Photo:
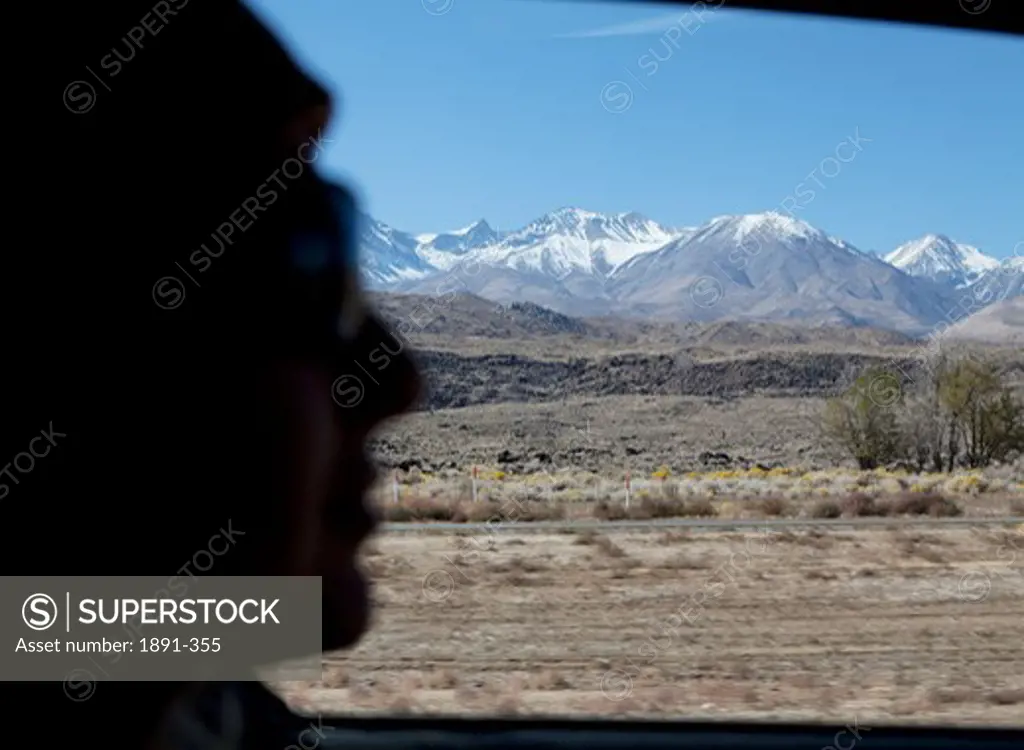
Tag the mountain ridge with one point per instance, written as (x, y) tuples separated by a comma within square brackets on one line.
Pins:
[(766, 266)]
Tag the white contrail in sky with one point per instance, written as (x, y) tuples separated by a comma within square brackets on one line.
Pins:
[(636, 28)]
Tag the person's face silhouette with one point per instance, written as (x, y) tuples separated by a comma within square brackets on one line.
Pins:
[(326, 408), (329, 474)]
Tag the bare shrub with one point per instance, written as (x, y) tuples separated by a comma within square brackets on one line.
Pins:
[(861, 505), (482, 512), (662, 508), (826, 508), (773, 506), (925, 504), (884, 507), (700, 507), (423, 509), (540, 511), (607, 511)]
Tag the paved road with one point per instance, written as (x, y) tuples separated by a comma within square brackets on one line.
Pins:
[(701, 524)]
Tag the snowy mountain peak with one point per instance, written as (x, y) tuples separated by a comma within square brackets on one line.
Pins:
[(480, 226), (758, 266), (768, 225), (563, 242), (585, 226), (444, 249), (574, 211), (574, 239), (937, 257), (567, 220), (387, 255), (776, 224)]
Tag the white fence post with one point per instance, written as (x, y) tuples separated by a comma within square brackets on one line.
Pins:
[(394, 486)]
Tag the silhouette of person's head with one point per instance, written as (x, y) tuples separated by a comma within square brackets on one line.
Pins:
[(201, 357)]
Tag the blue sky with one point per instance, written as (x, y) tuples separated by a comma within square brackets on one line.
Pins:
[(453, 110)]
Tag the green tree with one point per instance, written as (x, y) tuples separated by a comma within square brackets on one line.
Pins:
[(863, 420), (989, 420)]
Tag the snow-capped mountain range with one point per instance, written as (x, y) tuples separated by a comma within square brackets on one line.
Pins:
[(939, 258), (766, 266), (559, 243)]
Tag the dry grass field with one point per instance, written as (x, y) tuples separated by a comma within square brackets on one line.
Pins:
[(755, 493), (866, 626), (857, 626)]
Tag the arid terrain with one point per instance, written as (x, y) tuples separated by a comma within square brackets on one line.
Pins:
[(524, 384), (718, 420), (869, 626)]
